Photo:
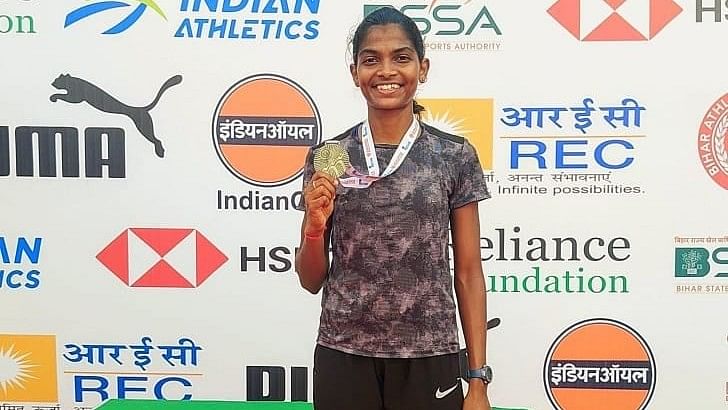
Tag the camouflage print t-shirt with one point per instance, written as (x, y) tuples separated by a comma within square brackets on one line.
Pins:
[(388, 292)]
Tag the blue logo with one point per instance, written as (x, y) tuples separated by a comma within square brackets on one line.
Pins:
[(19, 258), (101, 6)]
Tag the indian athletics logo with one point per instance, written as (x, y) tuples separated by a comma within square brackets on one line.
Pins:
[(28, 369), (98, 7)]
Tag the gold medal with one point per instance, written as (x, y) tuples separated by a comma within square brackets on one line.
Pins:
[(332, 159)]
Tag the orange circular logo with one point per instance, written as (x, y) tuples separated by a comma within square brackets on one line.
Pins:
[(599, 364), (263, 128), (713, 141)]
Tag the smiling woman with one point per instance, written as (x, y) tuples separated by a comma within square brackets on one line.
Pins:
[(388, 335)]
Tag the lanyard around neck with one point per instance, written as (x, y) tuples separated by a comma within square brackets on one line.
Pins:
[(370, 154)]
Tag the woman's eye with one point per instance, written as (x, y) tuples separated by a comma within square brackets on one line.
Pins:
[(403, 58), (369, 60)]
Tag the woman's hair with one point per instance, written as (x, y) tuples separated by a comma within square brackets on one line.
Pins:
[(389, 15)]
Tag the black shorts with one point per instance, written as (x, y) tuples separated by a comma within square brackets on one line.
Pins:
[(343, 381)]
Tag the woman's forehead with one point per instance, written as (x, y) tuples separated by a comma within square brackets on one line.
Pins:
[(387, 36)]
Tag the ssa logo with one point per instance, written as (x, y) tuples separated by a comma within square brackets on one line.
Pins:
[(28, 369), (162, 257), (614, 20), (712, 142), (450, 26), (126, 22), (600, 361), (263, 128), (468, 118)]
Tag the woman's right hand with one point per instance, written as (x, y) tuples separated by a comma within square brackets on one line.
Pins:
[(319, 198)]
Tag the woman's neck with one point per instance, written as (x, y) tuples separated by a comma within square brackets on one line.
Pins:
[(389, 126)]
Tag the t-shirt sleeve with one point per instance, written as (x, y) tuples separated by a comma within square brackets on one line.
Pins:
[(470, 185), (308, 172)]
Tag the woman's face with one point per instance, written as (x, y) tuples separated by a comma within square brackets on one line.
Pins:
[(387, 68)]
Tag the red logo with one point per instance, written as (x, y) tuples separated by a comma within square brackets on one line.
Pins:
[(162, 257), (712, 141), (614, 20)]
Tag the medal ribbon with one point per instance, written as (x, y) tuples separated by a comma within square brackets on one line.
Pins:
[(359, 180)]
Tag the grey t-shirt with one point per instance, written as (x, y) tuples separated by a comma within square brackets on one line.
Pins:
[(388, 292)]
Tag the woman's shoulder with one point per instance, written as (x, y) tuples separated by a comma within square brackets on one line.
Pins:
[(442, 135)]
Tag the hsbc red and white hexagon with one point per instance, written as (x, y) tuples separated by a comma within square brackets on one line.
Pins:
[(162, 257)]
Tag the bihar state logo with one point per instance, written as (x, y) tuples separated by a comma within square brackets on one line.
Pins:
[(263, 129), (614, 20), (28, 369), (712, 142), (162, 257), (600, 361), (468, 118)]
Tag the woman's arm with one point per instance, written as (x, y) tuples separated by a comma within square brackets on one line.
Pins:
[(470, 291), (312, 262)]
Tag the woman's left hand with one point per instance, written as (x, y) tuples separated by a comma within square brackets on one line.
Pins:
[(477, 397)]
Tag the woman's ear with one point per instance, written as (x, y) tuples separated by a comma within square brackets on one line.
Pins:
[(354, 75)]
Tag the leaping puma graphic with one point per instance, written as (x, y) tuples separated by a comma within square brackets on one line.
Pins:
[(79, 90)]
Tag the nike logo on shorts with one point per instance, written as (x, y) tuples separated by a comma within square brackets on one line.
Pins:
[(441, 394)]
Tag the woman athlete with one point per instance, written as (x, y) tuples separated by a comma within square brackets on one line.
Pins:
[(388, 334)]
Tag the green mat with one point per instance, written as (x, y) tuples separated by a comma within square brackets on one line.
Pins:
[(204, 405)]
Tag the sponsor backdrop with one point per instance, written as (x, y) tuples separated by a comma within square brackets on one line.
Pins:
[(150, 162)]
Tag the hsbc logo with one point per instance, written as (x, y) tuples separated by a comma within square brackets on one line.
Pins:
[(162, 257), (614, 20)]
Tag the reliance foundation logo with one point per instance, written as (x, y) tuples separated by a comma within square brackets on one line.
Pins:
[(614, 20), (162, 257), (600, 361), (124, 24), (28, 369)]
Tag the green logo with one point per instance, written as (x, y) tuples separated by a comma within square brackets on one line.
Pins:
[(444, 19), (691, 262)]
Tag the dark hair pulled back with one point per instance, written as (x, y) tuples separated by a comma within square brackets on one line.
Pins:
[(389, 15)]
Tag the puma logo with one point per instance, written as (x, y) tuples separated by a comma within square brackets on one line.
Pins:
[(79, 90)]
